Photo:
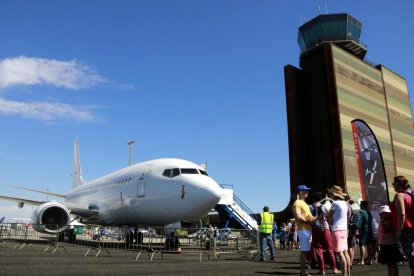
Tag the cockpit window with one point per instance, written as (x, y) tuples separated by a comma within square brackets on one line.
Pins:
[(189, 171), (175, 172), (167, 173), (171, 172), (203, 172)]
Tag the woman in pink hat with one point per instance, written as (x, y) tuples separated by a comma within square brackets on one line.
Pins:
[(389, 253)]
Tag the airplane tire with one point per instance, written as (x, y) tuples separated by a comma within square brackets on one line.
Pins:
[(129, 239), (61, 236), (139, 238), (71, 235)]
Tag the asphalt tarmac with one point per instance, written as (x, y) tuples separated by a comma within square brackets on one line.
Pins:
[(31, 261)]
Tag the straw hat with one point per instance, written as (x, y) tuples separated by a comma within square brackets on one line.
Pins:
[(336, 191)]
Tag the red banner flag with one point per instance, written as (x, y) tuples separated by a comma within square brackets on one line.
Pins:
[(370, 164)]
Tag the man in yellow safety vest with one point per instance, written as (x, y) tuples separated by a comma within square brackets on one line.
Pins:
[(265, 229)]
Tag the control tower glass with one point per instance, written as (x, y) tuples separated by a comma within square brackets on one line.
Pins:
[(329, 27)]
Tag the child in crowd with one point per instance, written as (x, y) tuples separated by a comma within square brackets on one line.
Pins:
[(389, 253), (282, 236)]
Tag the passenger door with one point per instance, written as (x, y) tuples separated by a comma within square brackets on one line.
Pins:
[(142, 183)]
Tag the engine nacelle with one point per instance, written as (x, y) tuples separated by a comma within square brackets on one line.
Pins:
[(51, 217), (192, 225)]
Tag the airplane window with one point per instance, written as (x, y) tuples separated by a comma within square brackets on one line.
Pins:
[(167, 173), (203, 172), (175, 172), (189, 171)]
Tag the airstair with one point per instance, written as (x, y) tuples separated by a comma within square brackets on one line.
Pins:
[(231, 207)]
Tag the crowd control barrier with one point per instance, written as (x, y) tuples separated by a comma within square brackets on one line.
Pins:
[(143, 242)]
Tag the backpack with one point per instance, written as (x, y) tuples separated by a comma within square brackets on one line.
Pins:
[(320, 212), (355, 222)]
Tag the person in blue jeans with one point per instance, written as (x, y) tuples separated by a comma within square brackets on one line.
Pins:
[(265, 234), (274, 234)]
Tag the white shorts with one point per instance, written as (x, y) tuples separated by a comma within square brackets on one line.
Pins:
[(305, 239)]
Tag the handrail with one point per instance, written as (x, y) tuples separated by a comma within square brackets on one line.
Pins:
[(240, 218), (243, 206), (238, 200), (231, 212), (224, 186)]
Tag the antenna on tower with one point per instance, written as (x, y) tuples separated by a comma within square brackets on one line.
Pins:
[(326, 7), (302, 20)]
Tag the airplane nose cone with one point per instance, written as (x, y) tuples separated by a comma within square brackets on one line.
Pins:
[(203, 196), (216, 191), (213, 191)]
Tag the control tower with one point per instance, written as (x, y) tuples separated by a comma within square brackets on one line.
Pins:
[(334, 86), (341, 29)]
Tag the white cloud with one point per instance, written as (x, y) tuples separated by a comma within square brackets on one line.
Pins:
[(49, 111), (35, 71)]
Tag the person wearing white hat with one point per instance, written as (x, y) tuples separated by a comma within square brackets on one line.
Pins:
[(389, 252), (338, 215)]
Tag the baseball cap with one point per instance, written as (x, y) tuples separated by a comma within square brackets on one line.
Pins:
[(302, 188)]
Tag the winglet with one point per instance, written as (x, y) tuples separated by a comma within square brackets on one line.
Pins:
[(77, 179)]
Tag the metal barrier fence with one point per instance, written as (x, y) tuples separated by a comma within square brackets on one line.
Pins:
[(22, 236), (149, 241)]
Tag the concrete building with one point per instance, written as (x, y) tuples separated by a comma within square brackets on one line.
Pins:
[(334, 86)]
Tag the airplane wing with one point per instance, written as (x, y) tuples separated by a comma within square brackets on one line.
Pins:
[(39, 191), (73, 209), (22, 200)]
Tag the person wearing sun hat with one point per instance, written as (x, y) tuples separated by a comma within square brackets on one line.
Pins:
[(338, 215), (304, 220), (389, 252)]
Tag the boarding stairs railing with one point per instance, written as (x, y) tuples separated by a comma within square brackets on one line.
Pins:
[(237, 210)]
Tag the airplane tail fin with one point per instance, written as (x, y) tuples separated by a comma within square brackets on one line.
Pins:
[(77, 179)]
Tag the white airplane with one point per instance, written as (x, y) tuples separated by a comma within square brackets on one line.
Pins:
[(157, 192)]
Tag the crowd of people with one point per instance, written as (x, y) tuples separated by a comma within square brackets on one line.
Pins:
[(327, 231)]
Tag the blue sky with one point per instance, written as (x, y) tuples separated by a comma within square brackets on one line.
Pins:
[(197, 80)]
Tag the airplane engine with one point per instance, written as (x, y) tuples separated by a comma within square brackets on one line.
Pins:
[(51, 217), (192, 225)]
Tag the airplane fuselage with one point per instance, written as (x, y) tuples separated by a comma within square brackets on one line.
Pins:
[(157, 192)]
